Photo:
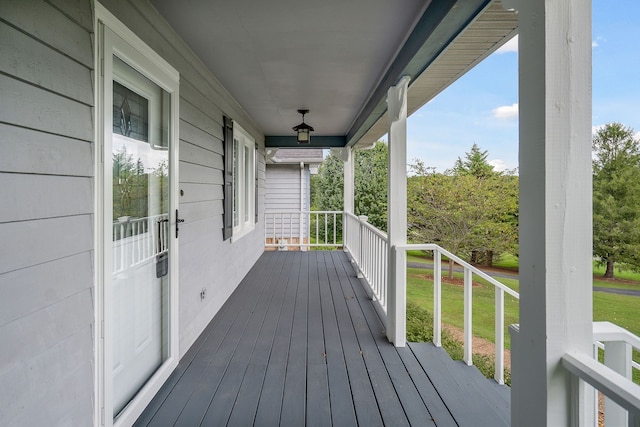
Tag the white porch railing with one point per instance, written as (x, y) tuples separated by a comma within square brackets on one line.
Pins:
[(469, 271), (369, 249), (613, 378), (138, 240), (302, 229)]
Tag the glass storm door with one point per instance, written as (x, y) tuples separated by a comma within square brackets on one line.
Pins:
[(139, 284)]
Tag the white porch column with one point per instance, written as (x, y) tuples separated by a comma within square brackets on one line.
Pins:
[(347, 154), (397, 212), (555, 208), (349, 181)]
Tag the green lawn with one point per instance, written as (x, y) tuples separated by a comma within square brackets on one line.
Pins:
[(619, 309), (420, 292)]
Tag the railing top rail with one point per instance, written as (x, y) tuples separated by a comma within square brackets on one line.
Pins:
[(607, 331), (457, 260), (621, 390), (301, 212), (369, 226), (377, 232)]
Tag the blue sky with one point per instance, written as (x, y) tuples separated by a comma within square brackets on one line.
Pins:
[(481, 107)]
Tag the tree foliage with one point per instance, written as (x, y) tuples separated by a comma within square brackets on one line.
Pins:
[(462, 212), (475, 163), (370, 184), (616, 197), (470, 209)]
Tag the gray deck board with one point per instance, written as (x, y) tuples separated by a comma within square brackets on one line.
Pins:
[(300, 343), (363, 396), (459, 387)]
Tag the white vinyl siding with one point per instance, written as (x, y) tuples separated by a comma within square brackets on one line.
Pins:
[(47, 214), (46, 222), (283, 194)]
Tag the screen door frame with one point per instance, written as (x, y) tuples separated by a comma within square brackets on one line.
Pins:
[(114, 38)]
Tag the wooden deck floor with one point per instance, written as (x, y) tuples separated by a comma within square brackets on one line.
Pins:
[(299, 343)]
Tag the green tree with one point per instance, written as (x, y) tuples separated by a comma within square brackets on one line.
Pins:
[(500, 232), (461, 212), (616, 197), (370, 184), (475, 163)]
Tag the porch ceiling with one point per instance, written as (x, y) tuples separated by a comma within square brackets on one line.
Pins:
[(335, 58)]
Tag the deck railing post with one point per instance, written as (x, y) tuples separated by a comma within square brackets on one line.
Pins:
[(396, 298), (617, 356), (361, 258), (437, 298), (301, 231), (468, 333), (499, 336)]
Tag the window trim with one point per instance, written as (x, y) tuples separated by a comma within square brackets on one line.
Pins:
[(245, 181)]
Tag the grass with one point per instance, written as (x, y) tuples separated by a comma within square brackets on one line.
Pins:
[(420, 292), (507, 261), (420, 329), (619, 309)]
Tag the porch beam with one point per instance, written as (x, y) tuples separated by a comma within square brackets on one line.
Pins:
[(320, 141), (440, 23), (397, 212), (555, 209)]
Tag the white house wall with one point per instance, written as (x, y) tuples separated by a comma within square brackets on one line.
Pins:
[(46, 215), (282, 194)]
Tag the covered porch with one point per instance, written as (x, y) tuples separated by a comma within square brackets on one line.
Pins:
[(300, 343)]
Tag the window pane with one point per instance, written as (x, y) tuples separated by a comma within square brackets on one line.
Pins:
[(247, 183), (130, 113), (236, 184)]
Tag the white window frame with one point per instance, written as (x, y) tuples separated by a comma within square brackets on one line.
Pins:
[(243, 183)]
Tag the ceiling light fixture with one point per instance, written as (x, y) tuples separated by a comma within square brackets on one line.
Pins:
[(303, 129)]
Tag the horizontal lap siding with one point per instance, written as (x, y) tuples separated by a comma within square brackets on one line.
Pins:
[(46, 213), (282, 194), (206, 261)]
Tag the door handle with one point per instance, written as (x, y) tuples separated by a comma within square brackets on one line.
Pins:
[(178, 221)]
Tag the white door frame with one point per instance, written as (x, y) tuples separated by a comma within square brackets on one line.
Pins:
[(132, 50)]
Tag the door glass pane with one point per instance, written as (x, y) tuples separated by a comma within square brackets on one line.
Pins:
[(247, 183), (140, 281)]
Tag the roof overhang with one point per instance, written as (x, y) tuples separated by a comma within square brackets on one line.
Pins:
[(338, 59)]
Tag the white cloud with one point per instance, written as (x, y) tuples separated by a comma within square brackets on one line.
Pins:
[(506, 111), (595, 129), (510, 46), (636, 136), (498, 165), (596, 42)]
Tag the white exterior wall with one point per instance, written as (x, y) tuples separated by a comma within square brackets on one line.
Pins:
[(282, 193), (46, 215), (46, 221)]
